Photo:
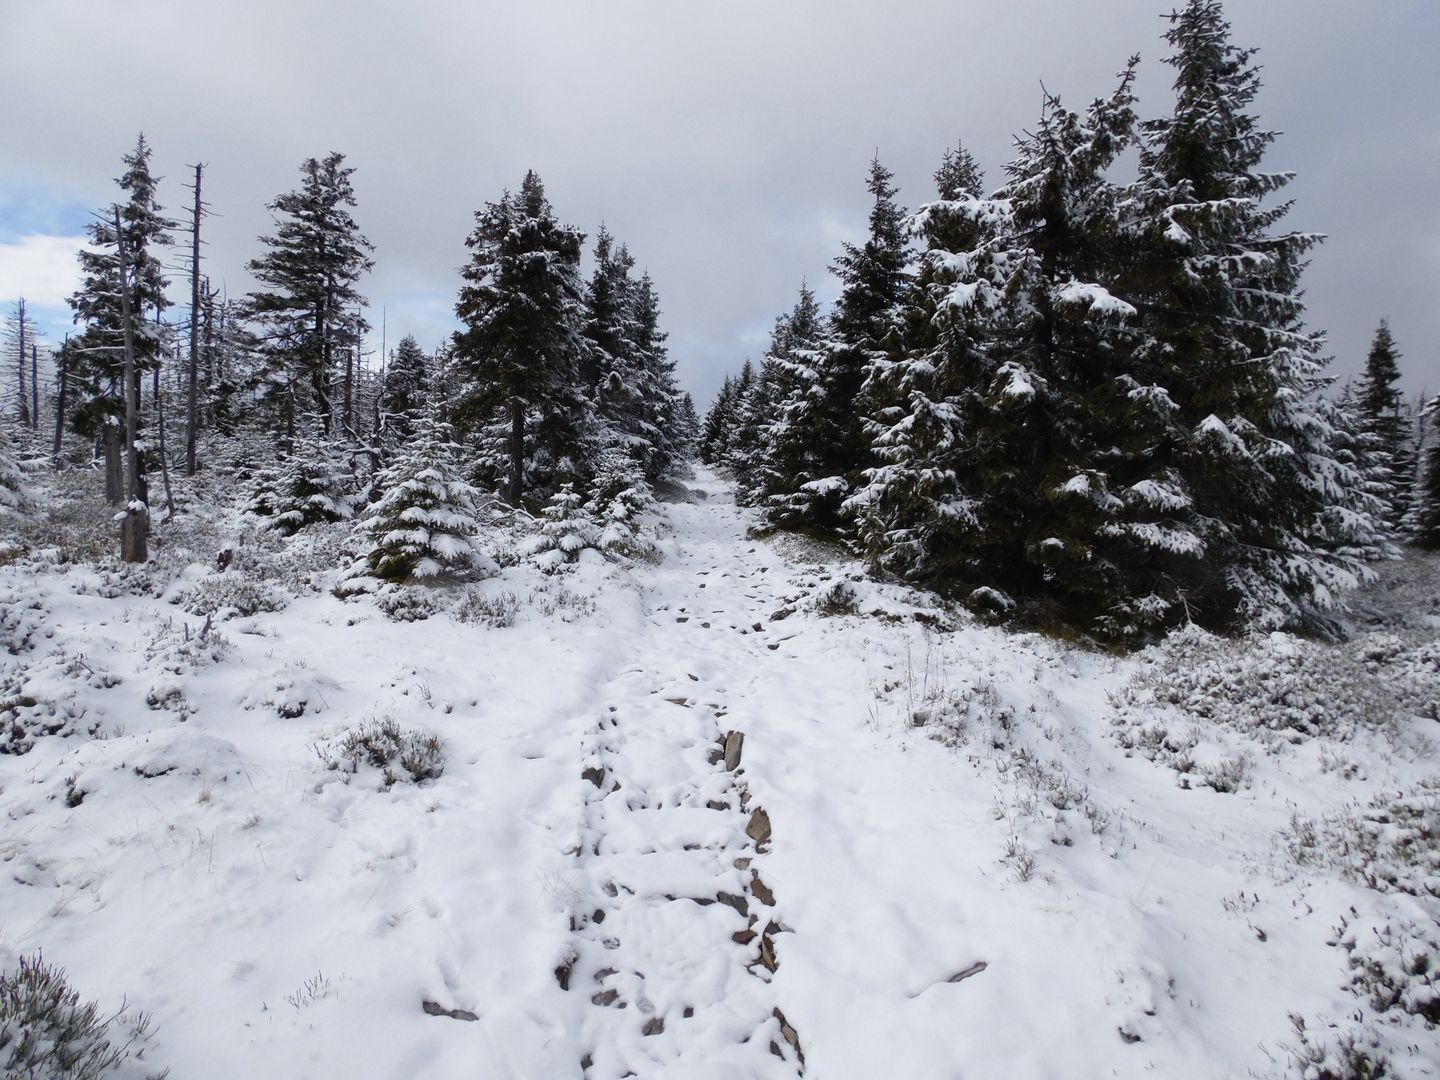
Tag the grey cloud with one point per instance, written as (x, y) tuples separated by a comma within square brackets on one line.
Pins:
[(726, 144)]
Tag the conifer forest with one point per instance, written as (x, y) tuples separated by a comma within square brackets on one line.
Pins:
[(1019, 658)]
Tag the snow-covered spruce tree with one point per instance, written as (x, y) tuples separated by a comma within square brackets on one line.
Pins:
[(16, 499), (910, 509), (822, 426), (404, 394), (1224, 354), (314, 485), (750, 456), (737, 440), (777, 426), (309, 308), (715, 437), (1043, 425), (1423, 522), (519, 353), (659, 394), (96, 359), (685, 432), (619, 500), (566, 531), (1382, 417), (610, 367), (424, 526)]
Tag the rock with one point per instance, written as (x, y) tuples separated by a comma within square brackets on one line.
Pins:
[(743, 937), (767, 954), (973, 969), (759, 827), (716, 804), (595, 775), (654, 1026), (760, 890), (739, 903), (434, 1008), (791, 1036), (734, 742), (605, 997)]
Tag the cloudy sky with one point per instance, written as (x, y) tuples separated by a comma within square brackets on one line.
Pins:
[(725, 143)]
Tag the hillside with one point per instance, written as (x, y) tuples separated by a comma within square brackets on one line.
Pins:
[(940, 849)]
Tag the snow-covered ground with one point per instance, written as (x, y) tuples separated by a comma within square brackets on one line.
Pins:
[(945, 850)]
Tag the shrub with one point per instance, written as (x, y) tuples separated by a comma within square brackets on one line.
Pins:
[(382, 744), (230, 594), (405, 603), (47, 1033), (566, 531), (496, 611), (1354, 1056)]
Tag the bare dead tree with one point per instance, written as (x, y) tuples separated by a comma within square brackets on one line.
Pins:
[(62, 380), (21, 326), (192, 398), (135, 526), (34, 387)]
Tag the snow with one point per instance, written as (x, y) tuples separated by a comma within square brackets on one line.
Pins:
[(966, 873), (1096, 298)]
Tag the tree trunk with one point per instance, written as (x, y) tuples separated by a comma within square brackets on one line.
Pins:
[(112, 439), (517, 450), (350, 365), (164, 461), (24, 402), (135, 527), (192, 399), (34, 388), (60, 404)]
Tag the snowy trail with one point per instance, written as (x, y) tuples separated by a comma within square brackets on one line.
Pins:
[(674, 944)]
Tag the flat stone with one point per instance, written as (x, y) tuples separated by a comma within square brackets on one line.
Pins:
[(605, 997), (973, 969), (739, 903), (758, 828), (734, 743), (434, 1008), (760, 890), (743, 937)]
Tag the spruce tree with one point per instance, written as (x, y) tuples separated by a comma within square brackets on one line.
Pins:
[(520, 350), (425, 524), (1423, 521), (1225, 358), (568, 529), (96, 358), (822, 427), (16, 499), (405, 393), (311, 486), (659, 395), (911, 510), (776, 453), (310, 314), (715, 438), (1382, 418)]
